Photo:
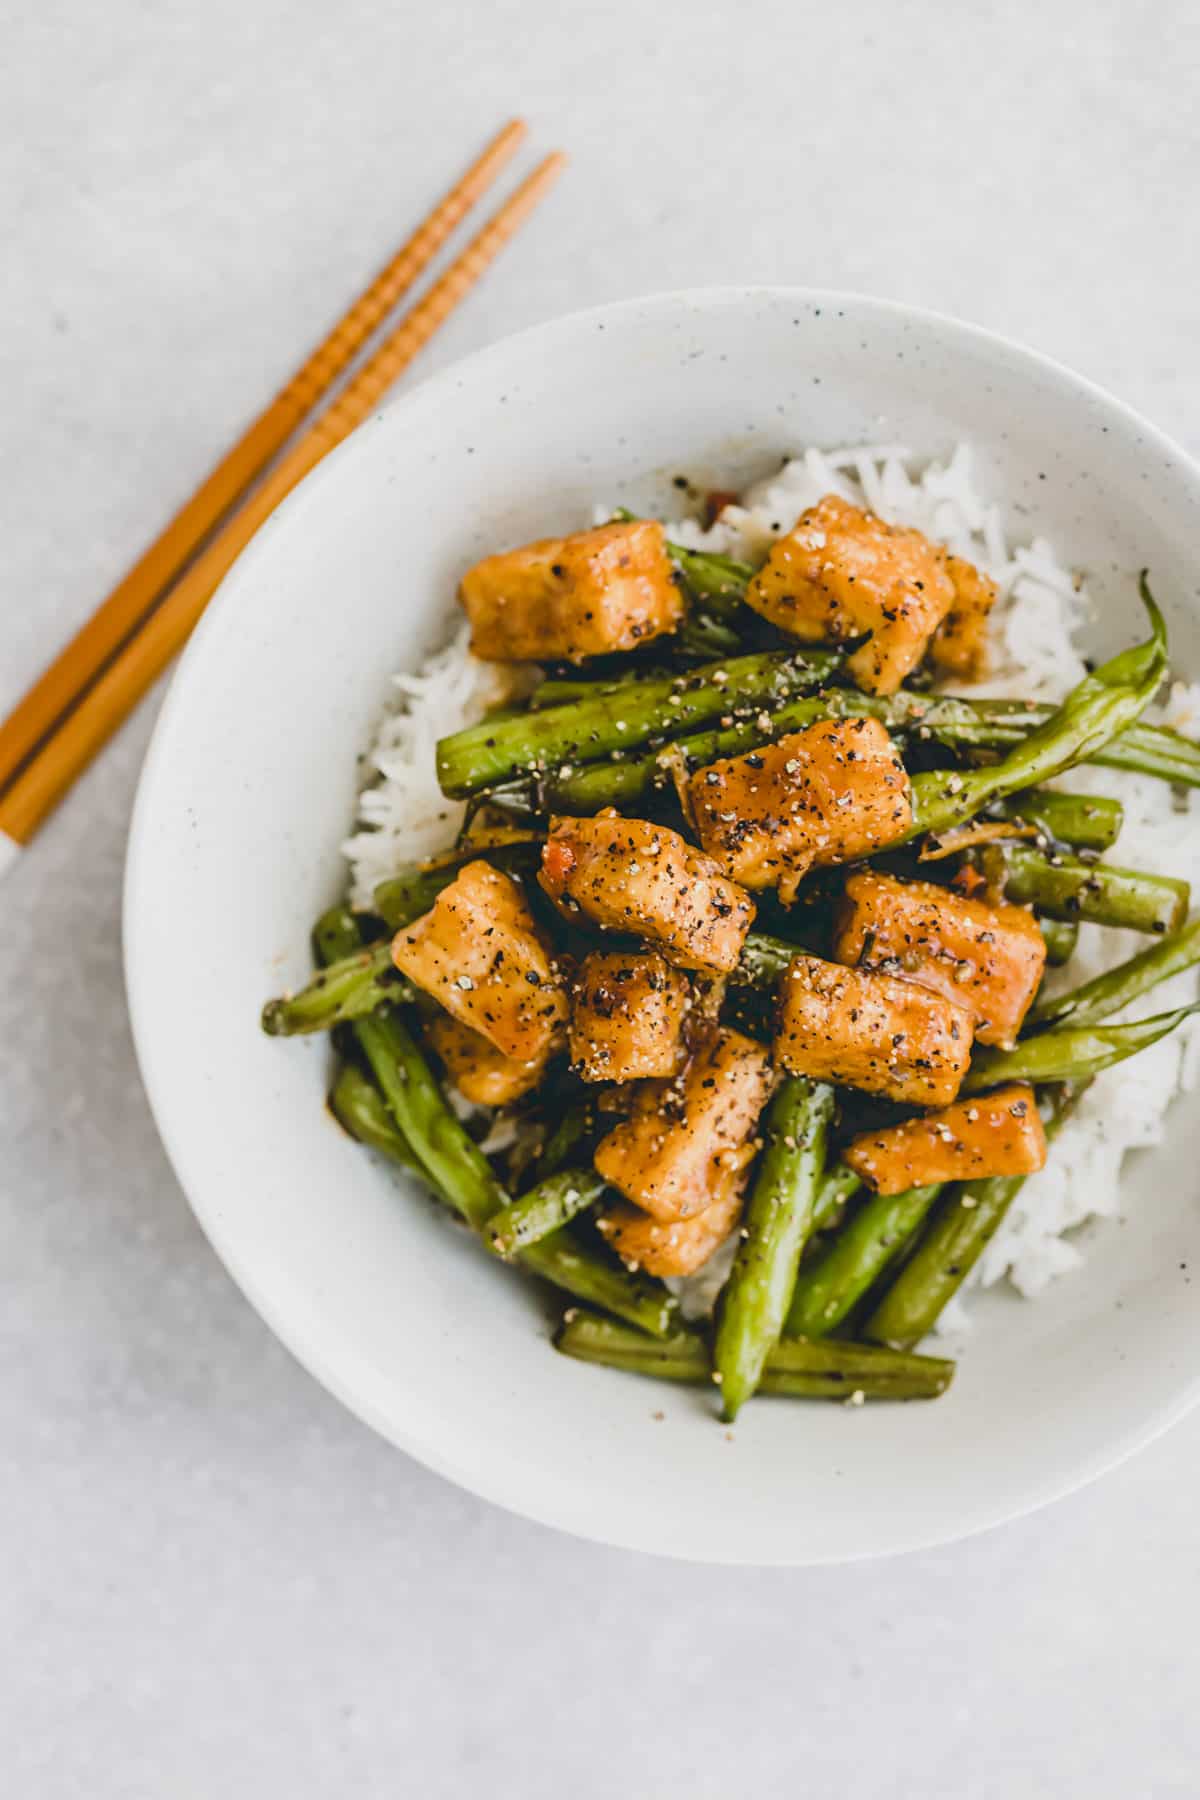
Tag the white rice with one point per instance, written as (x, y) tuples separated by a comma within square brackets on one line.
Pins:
[(403, 815)]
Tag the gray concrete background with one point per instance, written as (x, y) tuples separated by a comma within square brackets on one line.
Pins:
[(214, 1580)]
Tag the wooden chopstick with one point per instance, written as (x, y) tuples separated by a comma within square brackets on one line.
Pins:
[(120, 614), (51, 772)]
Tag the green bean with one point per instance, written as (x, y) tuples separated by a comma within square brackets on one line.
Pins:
[(958, 1231), (406, 896), (794, 1367), (573, 1126), (598, 1280), (720, 581), (776, 1225), (842, 1270), (589, 789), (458, 1167), (840, 1184), (1063, 887), (558, 1258), (484, 756), (542, 1210), (763, 960), (1086, 821), (1116, 988), (455, 1164), (960, 724), (1092, 714), (358, 1106), (1061, 936), (351, 988), (560, 690), (462, 1176), (701, 638), (1142, 749), (1070, 1053)]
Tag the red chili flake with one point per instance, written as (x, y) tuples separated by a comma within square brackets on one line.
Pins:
[(715, 502)]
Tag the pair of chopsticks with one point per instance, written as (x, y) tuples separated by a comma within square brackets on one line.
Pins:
[(98, 679)]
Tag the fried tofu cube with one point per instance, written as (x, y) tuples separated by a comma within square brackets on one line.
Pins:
[(989, 1134), (678, 1246), (479, 952), (841, 572), (871, 1031), (564, 599), (674, 1156), (824, 795), (627, 1016), (481, 1073), (960, 644), (630, 876), (988, 957)]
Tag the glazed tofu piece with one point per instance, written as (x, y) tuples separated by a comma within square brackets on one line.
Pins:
[(989, 1134), (627, 875), (481, 1073), (627, 1016), (563, 599), (871, 1031), (686, 1138), (841, 572), (960, 643), (987, 957), (479, 952), (677, 1247), (824, 795)]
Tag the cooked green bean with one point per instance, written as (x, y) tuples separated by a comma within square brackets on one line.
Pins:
[(460, 1173), (870, 1238), (960, 724), (358, 1106), (572, 1127), (456, 1164), (1071, 1053), (1061, 937), (720, 581), (1093, 713), (1142, 749), (558, 690), (486, 755), (598, 1280), (543, 1209), (406, 896), (763, 960), (1063, 887), (351, 988), (1116, 988), (840, 1184), (1085, 821), (794, 1367), (775, 1227)]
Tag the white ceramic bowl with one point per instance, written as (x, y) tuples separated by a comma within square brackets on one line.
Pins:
[(248, 789)]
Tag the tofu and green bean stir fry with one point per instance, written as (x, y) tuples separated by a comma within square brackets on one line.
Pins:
[(744, 941)]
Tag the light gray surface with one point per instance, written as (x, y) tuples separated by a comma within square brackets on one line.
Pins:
[(215, 1581)]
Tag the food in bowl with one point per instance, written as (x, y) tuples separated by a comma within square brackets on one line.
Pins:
[(761, 963)]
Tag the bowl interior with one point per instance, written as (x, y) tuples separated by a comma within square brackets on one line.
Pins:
[(248, 791)]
